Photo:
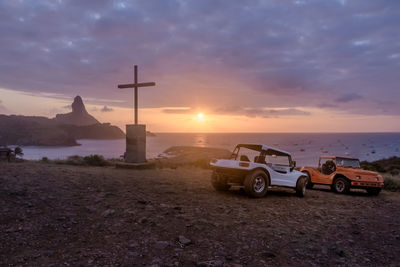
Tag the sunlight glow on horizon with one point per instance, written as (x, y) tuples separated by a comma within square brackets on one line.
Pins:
[(157, 120)]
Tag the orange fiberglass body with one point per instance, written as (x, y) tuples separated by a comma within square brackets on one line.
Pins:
[(342, 174)]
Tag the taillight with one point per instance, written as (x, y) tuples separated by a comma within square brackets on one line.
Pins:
[(244, 164)]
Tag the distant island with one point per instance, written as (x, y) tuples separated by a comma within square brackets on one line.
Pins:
[(63, 130)]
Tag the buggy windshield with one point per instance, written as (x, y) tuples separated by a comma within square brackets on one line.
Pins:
[(255, 153), (351, 163)]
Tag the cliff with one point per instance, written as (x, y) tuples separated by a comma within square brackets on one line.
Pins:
[(63, 130)]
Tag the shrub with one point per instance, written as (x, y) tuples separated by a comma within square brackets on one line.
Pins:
[(18, 151), (95, 160), (372, 166), (392, 183)]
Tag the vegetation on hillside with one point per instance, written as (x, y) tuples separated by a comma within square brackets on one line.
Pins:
[(390, 170)]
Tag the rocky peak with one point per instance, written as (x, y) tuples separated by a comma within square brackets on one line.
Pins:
[(78, 106), (78, 116)]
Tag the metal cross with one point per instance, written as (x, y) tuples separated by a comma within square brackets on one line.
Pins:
[(136, 85)]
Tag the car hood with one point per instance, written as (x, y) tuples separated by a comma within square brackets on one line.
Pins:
[(358, 172)]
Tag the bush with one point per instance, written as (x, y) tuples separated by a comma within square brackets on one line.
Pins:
[(95, 160), (392, 183), (45, 159), (372, 166)]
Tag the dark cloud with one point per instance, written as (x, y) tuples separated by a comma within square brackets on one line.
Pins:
[(106, 109), (289, 53), (348, 97)]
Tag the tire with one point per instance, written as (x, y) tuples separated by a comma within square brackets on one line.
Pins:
[(341, 185), (373, 191), (301, 186), (309, 183), (218, 183), (256, 183)]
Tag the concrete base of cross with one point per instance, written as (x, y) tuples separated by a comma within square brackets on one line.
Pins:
[(135, 143)]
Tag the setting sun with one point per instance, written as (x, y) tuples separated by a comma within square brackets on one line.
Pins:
[(200, 115)]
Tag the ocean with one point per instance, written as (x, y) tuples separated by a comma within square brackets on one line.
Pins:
[(305, 147)]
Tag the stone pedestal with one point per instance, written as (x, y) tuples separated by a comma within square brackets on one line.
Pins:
[(135, 143)]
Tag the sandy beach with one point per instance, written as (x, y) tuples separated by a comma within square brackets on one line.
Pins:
[(73, 216)]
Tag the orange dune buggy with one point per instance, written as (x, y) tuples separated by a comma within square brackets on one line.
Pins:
[(342, 174)]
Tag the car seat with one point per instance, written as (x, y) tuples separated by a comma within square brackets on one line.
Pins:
[(244, 158), (259, 159), (328, 167)]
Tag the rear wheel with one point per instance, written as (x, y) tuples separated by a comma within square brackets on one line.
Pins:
[(301, 186), (341, 185), (256, 183), (373, 191), (218, 183)]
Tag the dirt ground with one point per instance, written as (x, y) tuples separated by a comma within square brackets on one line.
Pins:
[(74, 216)]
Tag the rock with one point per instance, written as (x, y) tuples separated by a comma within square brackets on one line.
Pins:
[(161, 244), (143, 220), (108, 212), (205, 263), (79, 116), (269, 254), (184, 241)]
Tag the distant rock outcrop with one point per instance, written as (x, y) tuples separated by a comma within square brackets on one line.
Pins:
[(63, 130), (79, 116)]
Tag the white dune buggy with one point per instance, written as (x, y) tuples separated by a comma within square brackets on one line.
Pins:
[(256, 168)]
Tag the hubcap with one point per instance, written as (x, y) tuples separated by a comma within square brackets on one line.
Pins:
[(340, 186), (259, 184)]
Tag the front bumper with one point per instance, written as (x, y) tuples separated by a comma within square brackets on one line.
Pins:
[(362, 184)]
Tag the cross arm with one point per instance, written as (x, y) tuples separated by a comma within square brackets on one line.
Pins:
[(132, 85)]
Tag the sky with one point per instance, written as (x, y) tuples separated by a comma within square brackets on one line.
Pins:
[(247, 66)]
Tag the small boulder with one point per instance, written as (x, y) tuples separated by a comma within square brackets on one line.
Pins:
[(108, 213), (184, 241)]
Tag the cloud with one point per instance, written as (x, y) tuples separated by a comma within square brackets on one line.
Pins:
[(277, 112), (348, 97), (106, 109), (3, 109), (240, 111), (263, 50)]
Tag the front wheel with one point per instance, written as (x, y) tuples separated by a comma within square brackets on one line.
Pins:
[(218, 183), (373, 191), (301, 186), (256, 183), (341, 185), (309, 183)]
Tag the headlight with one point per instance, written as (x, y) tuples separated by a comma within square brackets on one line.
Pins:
[(358, 177), (377, 179)]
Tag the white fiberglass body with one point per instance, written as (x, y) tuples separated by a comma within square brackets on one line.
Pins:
[(255, 168)]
